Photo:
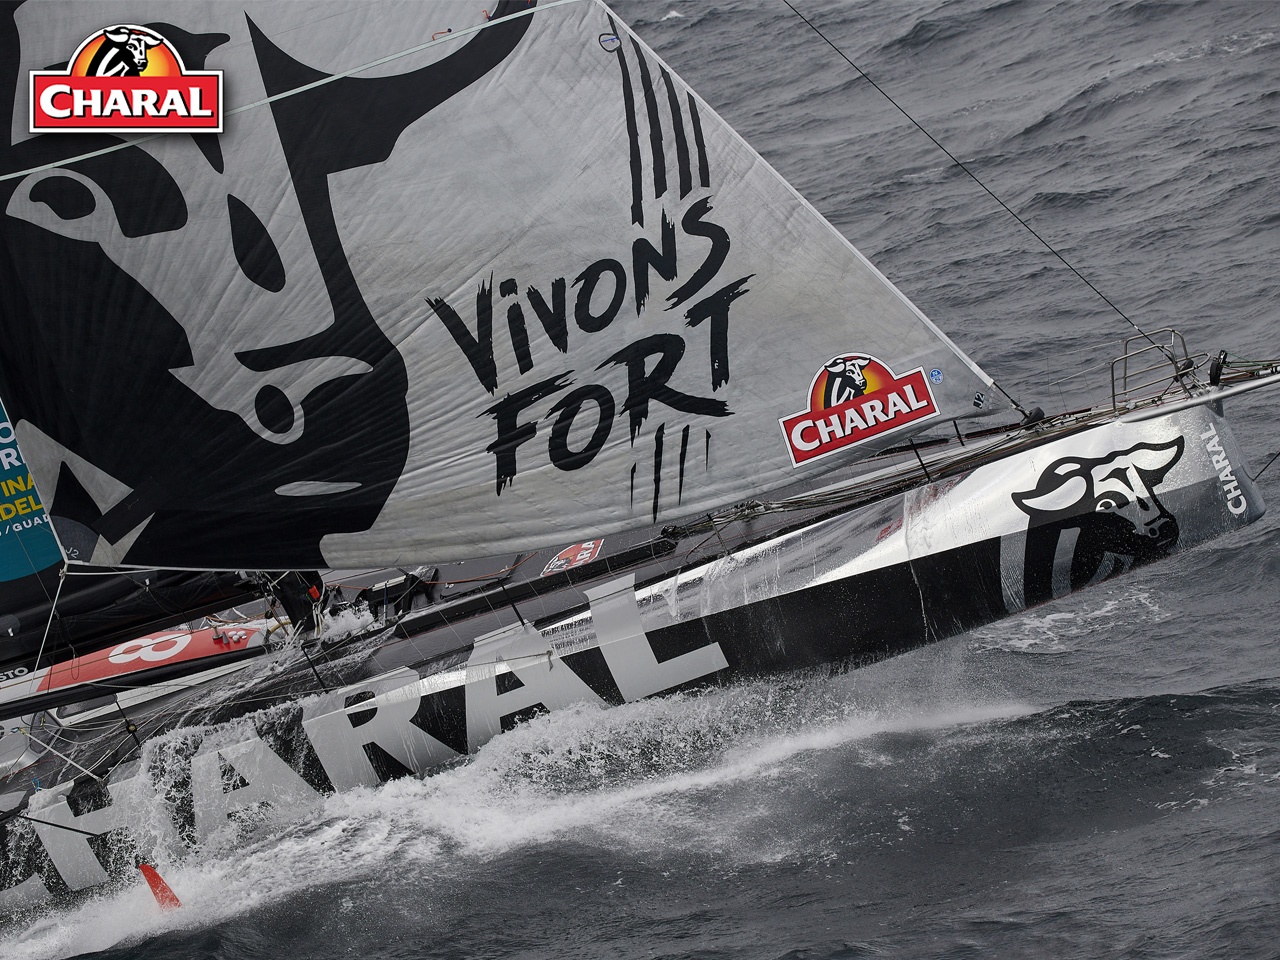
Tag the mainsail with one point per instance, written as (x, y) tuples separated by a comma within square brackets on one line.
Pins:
[(444, 287)]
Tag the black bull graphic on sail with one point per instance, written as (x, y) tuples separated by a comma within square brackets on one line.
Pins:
[(848, 589), (59, 296)]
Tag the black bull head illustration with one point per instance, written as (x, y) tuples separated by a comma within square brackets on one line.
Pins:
[(1108, 504), (845, 380), (53, 287), (123, 53)]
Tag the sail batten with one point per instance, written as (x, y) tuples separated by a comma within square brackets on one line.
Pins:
[(433, 295)]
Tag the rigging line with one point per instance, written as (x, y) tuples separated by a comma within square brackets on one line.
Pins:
[(53, 611), (26, 731), (26, 553), (1267, 464), (129, 725), (1047, 245), (60, 826)]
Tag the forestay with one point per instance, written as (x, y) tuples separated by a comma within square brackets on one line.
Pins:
[(430, 295)]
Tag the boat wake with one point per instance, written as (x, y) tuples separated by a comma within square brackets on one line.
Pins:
[(1058, 632), (802, 776), (639, 777)]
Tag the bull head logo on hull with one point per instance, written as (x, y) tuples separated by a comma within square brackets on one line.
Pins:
[(1092, 518)]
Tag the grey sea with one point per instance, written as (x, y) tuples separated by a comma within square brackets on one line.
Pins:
[(1097, 778)]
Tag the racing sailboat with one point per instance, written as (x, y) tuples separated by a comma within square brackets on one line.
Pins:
[(501, 302)]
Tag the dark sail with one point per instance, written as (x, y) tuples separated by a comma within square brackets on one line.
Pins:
[(94, 609), (97, 611)]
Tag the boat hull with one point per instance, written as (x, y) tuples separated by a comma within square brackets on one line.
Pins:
[(845, 590)]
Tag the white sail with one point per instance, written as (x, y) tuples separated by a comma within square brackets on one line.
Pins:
[(430, 295)]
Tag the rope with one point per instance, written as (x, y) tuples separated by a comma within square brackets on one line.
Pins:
[(972, 176), (1267, 464), (53, 612), (60, 826), (26, 731)]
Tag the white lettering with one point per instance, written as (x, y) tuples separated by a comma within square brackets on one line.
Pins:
[(797, 436), (340, 733), (1236, 501), (910, 391), (897, 405), (542, 680), (829, 428), (144, 101), (852, 421), (626, 649), (152, 651), (69, 849), (269, 780), (86, 101), (117, 102), (873, 410), (46, 100), (196, 110), (173, 103), (9, 458)]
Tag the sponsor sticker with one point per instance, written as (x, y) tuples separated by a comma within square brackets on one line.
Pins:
[(852, 399), (574, 556), (125, 79), (143, 653)]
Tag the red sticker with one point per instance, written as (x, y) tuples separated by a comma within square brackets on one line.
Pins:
[(852, 399), (125, 79), (574, 556), (143, 653)]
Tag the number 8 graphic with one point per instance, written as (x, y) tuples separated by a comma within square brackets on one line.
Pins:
[(150, 650)]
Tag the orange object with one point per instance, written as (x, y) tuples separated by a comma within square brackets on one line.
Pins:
[(167, 899)]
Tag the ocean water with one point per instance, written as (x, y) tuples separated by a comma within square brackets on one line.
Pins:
[(1097, 778)]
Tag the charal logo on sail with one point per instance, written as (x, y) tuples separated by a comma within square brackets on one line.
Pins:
[(852, 399), (125, 79)]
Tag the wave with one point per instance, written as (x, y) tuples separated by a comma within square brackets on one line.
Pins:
[(760, 774)]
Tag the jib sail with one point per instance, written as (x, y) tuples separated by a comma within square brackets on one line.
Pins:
[(444, 287)]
